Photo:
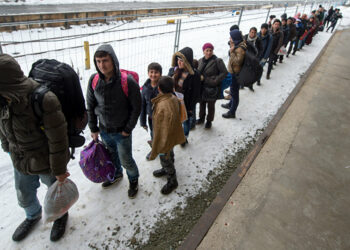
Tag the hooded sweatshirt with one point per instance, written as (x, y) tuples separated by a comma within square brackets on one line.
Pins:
[(35, 148), (109, 109)]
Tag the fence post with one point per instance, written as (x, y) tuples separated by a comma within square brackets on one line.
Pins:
[(87, 55), (177, 35), (304, 8), (296, 11), (0, 49), (267, 16), (312, 5), (285, 7), (240, 16)]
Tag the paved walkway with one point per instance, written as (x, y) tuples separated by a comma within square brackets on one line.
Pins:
[(296, 195)]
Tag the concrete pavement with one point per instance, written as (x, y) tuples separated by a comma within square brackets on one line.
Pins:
[(296, 195)]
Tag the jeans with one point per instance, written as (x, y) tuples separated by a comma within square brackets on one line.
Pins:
[(26, 188), (120, 148), (187, 125), (234, 91)]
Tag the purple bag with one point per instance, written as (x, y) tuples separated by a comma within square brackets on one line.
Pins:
[(96, 163)]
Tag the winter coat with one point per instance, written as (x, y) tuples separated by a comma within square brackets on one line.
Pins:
[(115, 111), (237, 58), (330, 14), (292, 32), (285, 29), (257, 45), (300, 29), (277, 41), (214, 71), (191, 88), (148, 93), (167, 126), (266, 44), (35, 146)]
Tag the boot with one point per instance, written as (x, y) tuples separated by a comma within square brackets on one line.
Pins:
[(225, 106), (208, 125), (251, 88), (133, 189), (200, 121), (116, 179), (58, 228), (268, 76), (258, 82), (170, 185), (229, 115), (148, 156), (184, 144), (24, 229), (159, 172)]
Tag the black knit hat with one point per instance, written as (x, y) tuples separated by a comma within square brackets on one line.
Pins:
[(265, 26)]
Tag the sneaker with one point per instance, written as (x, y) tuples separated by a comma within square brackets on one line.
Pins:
[(208, 125), (227, 91), (116, 179), (150, 143), (169, 186), (228, 115), (184, 144), (228, 97), (24, 229), (287, 55), (58, 228), (159, 172), (133, 189), (225, 106), (200, 121)]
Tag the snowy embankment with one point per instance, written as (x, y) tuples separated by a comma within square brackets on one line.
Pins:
[(108, 217)]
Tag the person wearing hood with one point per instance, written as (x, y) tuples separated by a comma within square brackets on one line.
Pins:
[(213, 71), (237, 53), (277, 42), (113, 114), (266, 40), (187, 82), (37, 152)]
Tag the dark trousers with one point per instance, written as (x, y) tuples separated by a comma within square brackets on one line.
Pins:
[(211, 110), (272, 59), (332, 26), (291, 44), (280, 57), (150, 125), (234, 92), (167, 162)]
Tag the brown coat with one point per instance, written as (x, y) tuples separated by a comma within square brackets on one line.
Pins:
[(33, 149), (167, 127), (236, 58)]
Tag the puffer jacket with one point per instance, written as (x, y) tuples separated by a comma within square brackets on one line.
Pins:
[(213, 71), (36, 146), (237, 58), (108, 104)]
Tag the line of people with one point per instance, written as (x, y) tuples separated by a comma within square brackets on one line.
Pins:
[(166, 106)]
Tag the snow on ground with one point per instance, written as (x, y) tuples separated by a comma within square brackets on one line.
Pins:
[(108, 217)]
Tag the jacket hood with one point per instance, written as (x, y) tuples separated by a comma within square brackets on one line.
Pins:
[(236, 36), (186, 54), (13, 83), (108, 48)]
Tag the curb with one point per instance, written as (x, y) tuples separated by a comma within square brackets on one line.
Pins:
[(199, 231)]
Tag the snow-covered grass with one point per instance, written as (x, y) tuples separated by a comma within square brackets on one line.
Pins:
[(108, 217)]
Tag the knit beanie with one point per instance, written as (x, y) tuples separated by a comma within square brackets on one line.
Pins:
[(207, 46), (265, 26), (236, 36)]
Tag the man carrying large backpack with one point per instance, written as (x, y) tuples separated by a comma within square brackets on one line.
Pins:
[(37, 151), (114, 105)]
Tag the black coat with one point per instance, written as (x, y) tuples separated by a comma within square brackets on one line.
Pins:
[(213, 71), (148, 93), (258, 45), (277, 42), (292, 32), (108, 103)]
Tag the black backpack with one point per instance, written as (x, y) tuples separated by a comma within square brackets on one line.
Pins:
[(251, 70), (64, 82)]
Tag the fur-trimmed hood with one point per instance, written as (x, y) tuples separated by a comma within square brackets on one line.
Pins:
[(186, 54)]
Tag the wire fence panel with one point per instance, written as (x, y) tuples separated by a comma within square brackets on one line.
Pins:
[(137, 40)]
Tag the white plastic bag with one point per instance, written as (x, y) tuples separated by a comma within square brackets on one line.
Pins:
[(59, 198)]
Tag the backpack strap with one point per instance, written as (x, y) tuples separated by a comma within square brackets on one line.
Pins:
[(95, 81), (124, 82), (37, 100)]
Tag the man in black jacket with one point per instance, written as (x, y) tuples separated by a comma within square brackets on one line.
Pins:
[(277, 41), (113, 109)]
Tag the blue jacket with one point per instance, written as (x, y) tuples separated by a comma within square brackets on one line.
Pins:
[(267, 44), (148, 93)]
